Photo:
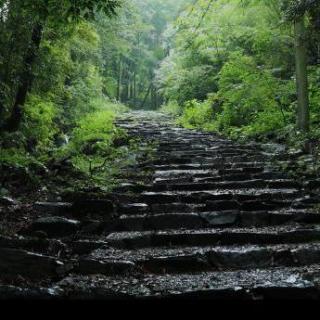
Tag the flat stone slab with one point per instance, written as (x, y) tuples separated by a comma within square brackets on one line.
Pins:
[(281, 283), (195, 259), (7, 201), (14, 262), (204, 237), (82, 247), (101, 206), (200, 197), (54, 208), (17, 293), (33, 244), (161, 222), (55, 226)]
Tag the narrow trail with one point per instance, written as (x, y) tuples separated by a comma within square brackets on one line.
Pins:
[(207, 218)]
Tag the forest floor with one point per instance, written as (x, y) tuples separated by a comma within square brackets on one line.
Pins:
[(205, 217)]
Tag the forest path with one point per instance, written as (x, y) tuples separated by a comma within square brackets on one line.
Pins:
[(206, 218)]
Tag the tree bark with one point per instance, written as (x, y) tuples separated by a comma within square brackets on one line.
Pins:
[(119, 79), (26, 79), (134, 88), (146, 96), (303, 117)]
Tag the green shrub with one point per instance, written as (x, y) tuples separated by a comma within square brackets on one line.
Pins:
[(197, 115), (14, 157), (39, 125), (97, 126), (245, 90), (250, 102), (269, 122), (92, 143), (172, 108), (314, 83)]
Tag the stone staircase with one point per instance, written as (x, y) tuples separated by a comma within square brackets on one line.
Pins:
[(206, 218)]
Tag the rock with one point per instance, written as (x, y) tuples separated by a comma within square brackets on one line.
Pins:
[(7, 201), (27, 264), (38, 244), (134, 208), (312, 184), (111, 267), (221, 219), (55, 226), (93, 227), (274, 147), (41, 235), (82, 247), (13, 293), (54, 208)]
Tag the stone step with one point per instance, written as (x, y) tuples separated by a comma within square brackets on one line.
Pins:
[(223, 158), (15, 263), (219, 147), (53, 208), (159, 208), (53, 227), (221, 166), (201, 197), (13, 293), (109, 267), (200, 186), (218, 219), (207, 237), (50, 247), (161, 222), (85, 246), (250, 205), (201, 153), (196, 259), (200, 173), (214, 178), (277, 283), (133, 208), (184, 173)]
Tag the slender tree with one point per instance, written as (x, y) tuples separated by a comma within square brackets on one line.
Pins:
[(296, 11)]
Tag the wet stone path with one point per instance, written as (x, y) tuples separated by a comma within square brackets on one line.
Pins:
[(205, 218)]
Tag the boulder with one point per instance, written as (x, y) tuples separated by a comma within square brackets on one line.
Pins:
[(55, 226), (221, 219), (13, 293), (106, 267), (7, 201), (15, 263), (55, 208)]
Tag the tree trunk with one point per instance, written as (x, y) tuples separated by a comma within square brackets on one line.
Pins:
[(134, 88), (26, 79), (127, 83), (119, 79), (146, 96), (303, 120)]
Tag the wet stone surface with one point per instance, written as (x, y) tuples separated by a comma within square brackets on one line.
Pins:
[(54, 226), (279, 283), (205, 218)]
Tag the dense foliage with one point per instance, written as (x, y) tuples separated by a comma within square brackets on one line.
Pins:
[(231, 67)]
